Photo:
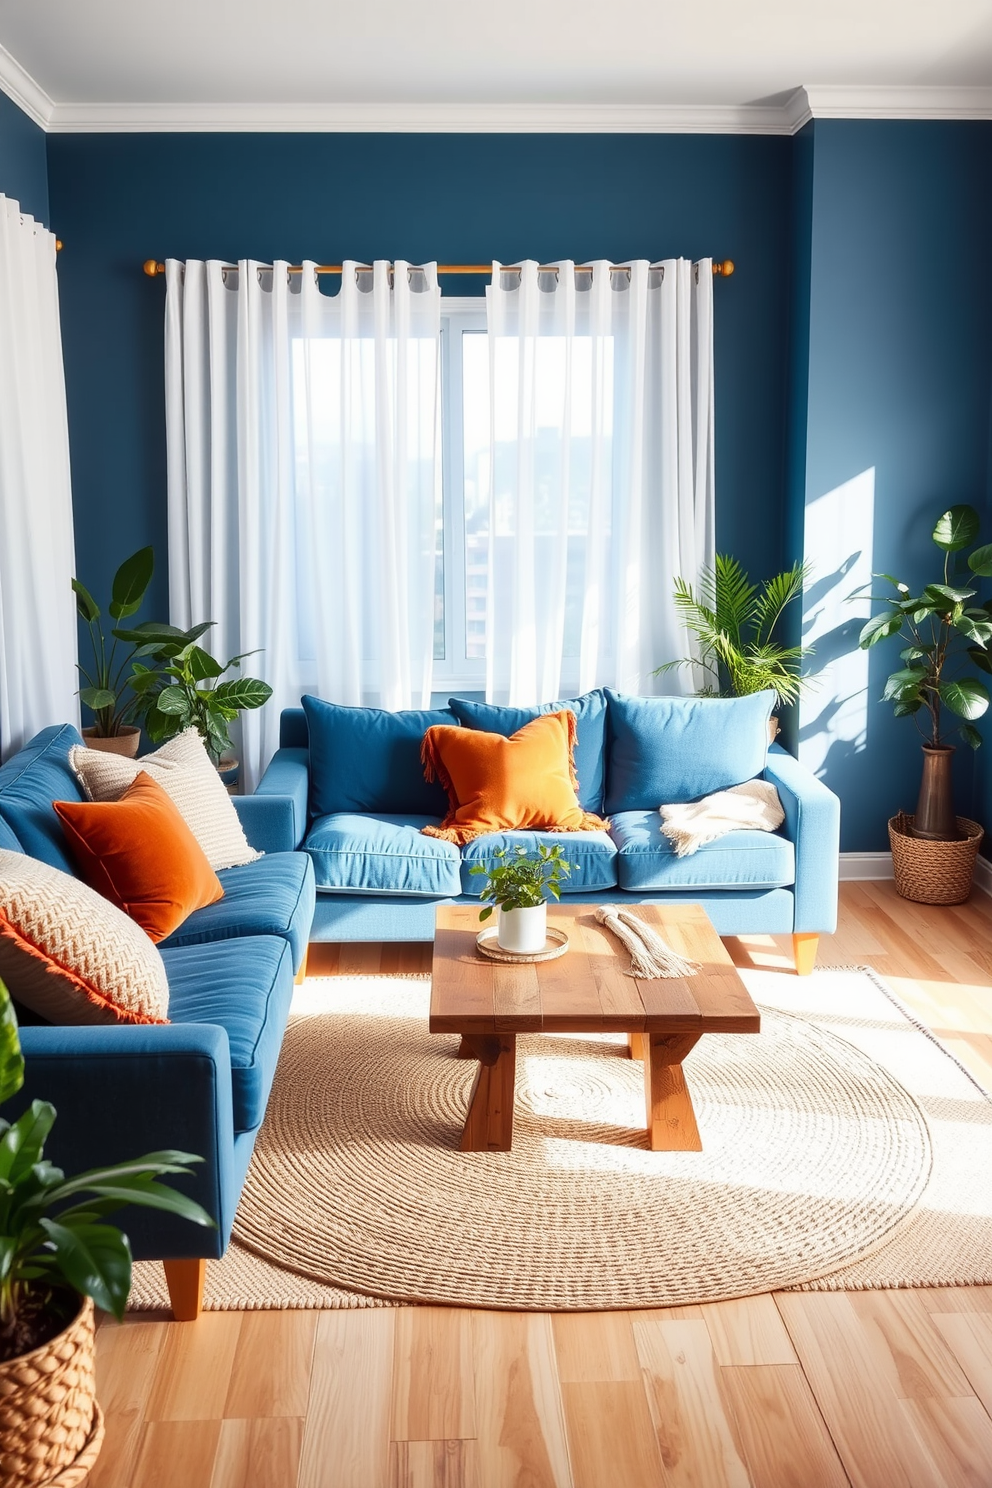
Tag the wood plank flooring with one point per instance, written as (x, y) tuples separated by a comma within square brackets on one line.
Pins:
[(795, 1390)]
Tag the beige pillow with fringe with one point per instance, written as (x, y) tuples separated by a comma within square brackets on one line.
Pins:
[(70, 955), (183, 769)]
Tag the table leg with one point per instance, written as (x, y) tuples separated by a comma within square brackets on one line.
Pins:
[(635, 1045), (489, 1124), (671, 1121)]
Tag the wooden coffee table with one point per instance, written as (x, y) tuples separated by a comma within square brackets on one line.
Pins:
[(585, 991)]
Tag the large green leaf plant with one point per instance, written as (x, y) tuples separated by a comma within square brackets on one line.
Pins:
[(54, 1240), (947, 634), (107, 692)]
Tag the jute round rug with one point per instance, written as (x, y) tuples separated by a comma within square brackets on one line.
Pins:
[(814, 1155)]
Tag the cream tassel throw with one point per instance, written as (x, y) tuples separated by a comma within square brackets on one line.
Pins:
[(753, 806), (650, 957)]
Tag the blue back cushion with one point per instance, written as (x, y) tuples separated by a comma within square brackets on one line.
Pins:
[(365, 759), (669, 749), (590, 734), (29, 782)]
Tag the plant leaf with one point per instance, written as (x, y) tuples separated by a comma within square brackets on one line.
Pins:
[(907, 706), (11, 1058), (967, 697), (879, 627), (96, 698), (86, 605), (970, 735), (979, 631), (244, 692), (957, 528), (173, 700), (95, 1259), (980, 658), (22, 1144), (944, 596), (130, 583), (980, 562)]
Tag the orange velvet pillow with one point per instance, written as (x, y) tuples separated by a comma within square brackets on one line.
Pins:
[(140, 854), (495, 784)]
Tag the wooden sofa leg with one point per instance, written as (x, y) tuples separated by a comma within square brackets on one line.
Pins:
[(301, 975), (804, 952), (185, 1279)]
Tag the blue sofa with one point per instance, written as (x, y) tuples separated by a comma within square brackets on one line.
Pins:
[(352, 795), (201, 1082)]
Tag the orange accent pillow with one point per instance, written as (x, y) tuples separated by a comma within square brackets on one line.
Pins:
[(495, 784), (140, 854)]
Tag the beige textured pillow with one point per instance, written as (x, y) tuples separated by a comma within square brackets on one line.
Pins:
[(183, 769), (72, 956)]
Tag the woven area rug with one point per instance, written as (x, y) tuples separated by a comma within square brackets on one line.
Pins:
[(843, 1148)]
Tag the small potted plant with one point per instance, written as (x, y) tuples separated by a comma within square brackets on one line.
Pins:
[(945, 633), (107, 692), (181, 688), (57, 1257), (518, 884), (734, 621)]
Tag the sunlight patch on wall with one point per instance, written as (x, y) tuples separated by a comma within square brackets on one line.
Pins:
[(833, 719)]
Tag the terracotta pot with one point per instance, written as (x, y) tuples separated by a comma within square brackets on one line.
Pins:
[(126, 742), (934, 818), (773, 729), (51, 1428)]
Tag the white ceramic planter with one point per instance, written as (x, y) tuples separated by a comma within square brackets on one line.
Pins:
[(523, 930)]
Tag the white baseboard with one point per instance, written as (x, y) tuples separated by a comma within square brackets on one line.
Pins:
[(863, 865)]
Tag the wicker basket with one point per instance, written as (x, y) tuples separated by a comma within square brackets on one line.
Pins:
[(933, 872), (51, 1428)]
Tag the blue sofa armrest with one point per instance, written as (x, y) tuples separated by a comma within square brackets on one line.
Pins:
[(123, 1090), (812, 822), (276, 817)]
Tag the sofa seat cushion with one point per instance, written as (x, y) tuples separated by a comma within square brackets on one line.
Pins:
[(592, 854), (245, 986), (360, 853), (29, 782), (272, 896), (646, 860)]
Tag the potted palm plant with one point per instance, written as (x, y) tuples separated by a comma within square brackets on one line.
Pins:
[(58, 1257), (734, 622), (519, 885), (107, 692), (945, 637)]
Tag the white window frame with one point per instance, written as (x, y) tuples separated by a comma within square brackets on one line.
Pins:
[(456, 671)]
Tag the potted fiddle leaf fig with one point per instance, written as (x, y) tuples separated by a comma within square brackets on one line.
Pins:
[(59, 1256), (519, 884), (107, 692), (946, 631)]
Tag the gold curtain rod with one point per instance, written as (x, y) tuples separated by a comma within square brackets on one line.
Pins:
[(153, 268)]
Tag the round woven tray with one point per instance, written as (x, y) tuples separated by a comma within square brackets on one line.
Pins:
[(51, 1427), (933, 872)]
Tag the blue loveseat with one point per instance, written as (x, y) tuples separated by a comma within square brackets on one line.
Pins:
[(201, 1082), (352, 795)]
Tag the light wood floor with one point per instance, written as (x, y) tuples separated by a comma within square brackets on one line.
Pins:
[(875, 1389)]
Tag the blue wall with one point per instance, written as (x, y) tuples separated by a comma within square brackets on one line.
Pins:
[(23, 165), (899, 358), (119, 199)]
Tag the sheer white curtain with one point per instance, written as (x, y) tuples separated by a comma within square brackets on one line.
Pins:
[(37, 611), (304, 478), (601, 387)]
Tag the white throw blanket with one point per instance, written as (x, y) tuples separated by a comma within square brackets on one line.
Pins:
[(753, 806)]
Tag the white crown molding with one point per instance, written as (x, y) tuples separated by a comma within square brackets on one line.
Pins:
[(19, 85), (840, 101)]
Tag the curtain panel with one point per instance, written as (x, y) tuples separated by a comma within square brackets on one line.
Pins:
[(602, 480), (303, 435), (37, 610)]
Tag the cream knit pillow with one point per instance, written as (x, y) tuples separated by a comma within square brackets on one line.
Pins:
[(72, 956), (183, 769)]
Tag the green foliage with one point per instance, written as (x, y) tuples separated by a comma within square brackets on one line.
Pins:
[(52, 1228), (943, 632), (734, 621), (180, 687), (518, 880), (107, 692)]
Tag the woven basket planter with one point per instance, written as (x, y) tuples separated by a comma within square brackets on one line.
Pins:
[(51, 1428), (933, 872)]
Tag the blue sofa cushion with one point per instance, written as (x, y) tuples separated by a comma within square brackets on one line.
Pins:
[(368, 760), (245, 986), (646, 860), (272, 896), (590, 734), (669, 749), (8, 841), (29, 782), (354, 853), (592, 854)]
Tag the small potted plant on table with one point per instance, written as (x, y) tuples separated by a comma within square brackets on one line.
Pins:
[(58, 1257), (519, 884), (934, 850)]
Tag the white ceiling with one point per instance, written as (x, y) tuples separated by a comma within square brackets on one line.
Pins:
[(220, 63)]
